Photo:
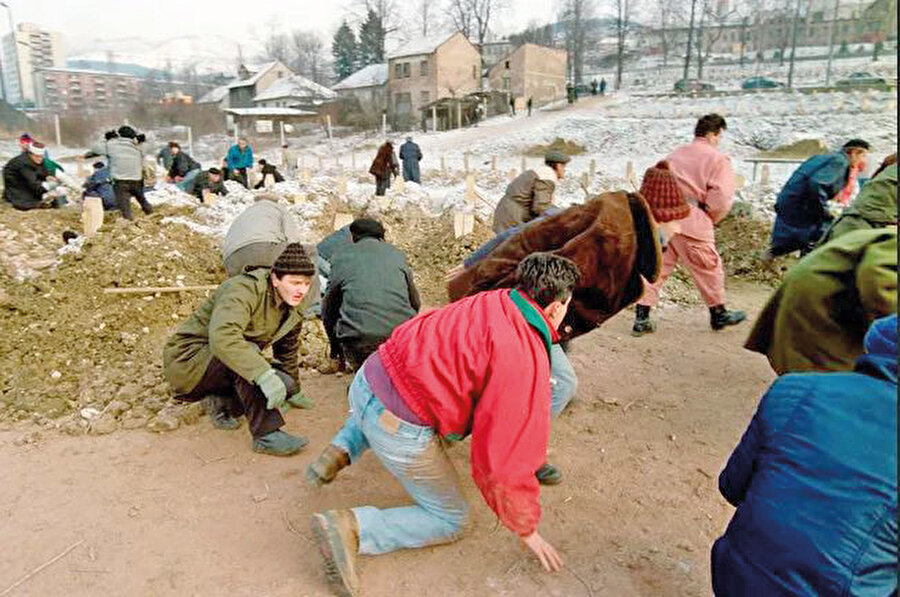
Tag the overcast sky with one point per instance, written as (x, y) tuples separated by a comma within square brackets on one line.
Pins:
[(159, 19)]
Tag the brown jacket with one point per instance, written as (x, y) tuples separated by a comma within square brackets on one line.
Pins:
[(612, 240), (385, 162), (529, 195)]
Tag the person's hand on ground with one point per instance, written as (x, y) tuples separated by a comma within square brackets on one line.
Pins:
[(273, 388), (545, 552)]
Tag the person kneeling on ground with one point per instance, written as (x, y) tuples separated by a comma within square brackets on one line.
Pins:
[(370, 292), (530, 194), (99, 185), (267, 169), (217, 353), (26, 182), (184, 168), (801, 210), (814, 481), (479, 366), (208, 180)]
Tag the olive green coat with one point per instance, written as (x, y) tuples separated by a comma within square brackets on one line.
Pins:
[(239, 320), (875, 207), (818, 317)]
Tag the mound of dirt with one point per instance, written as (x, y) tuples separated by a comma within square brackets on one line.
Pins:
[(558, 144), (70, 350), (801, 149)]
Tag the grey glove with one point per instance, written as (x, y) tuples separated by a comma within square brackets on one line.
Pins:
[(273, 388)]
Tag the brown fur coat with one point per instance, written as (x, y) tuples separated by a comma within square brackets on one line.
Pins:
[(612, 239)]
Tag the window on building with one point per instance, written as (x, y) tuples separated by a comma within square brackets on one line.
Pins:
[(507, 64), (425, 97), (423, 68), (474, 73), (398, 71), (406, 70), (505, 83)]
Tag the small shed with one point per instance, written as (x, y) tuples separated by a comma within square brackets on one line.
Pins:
[(268, 121)]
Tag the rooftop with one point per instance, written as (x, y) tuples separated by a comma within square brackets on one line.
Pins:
[(269, 112), (214, 96), (295, 86), (369, 76), (262, 70), (422, 45)]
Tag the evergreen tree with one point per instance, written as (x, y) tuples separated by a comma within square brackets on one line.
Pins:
[(371, 40), (345, 51)]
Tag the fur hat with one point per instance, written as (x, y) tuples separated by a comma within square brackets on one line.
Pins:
[(293, 260), (662, 193)]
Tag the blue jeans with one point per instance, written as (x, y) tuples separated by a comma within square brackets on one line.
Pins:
[(415, 456), (563, 381), (188, 179)]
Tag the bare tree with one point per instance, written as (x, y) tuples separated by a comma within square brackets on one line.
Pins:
[(623, 16), (309, 55), (669, 15), (574, 15), (712, 27), (277, 46), (474, 17)]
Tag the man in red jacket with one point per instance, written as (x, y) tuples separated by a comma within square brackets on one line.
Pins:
[(479, 367)]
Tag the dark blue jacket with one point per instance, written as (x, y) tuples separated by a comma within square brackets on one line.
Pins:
[(803, 201), (814, 480), (99, 184)]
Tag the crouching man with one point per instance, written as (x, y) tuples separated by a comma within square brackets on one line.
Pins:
[(479, 366), (217, 353)]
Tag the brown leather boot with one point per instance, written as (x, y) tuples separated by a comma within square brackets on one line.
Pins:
[(325, 468), (337, 537)]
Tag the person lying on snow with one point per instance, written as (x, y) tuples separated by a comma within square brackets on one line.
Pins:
[(479, 367)]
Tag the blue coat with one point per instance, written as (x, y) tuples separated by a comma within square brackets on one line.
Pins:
[(814, 480), (100, 185), (411, 155), (239, 159), (802, 205)]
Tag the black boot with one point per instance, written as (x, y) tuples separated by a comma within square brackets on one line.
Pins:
[(720, 317), (642, 323), (146, 206)]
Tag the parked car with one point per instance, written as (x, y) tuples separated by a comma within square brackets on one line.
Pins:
[(760, 83), (693, 85), (861, 78)]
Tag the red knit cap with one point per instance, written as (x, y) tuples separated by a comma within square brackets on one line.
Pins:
[(660, 189)]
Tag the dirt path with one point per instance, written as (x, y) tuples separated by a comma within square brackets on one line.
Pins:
[(195, 512)]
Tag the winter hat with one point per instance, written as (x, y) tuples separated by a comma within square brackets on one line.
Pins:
[(366, 228), (881, 339), (25, 137), (37, 148), (662, 193), (556, 157), (215, 171), (127, 132), (293, 260), (99, 165)]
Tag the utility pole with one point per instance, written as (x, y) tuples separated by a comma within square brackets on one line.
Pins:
[(690, 42), (793, 46), (834, 23), (743, 39)]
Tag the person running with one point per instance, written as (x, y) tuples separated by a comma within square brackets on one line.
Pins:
[(476, 367), (705, 177)]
